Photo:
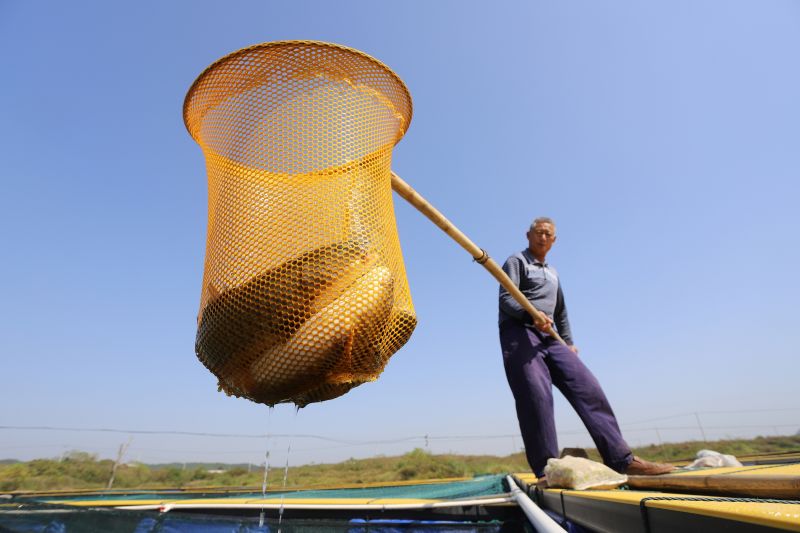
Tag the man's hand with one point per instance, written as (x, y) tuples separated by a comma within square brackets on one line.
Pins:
[(573, 348), (544, 326)]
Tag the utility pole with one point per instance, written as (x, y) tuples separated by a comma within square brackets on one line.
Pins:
[(702, 431), (122, 449)]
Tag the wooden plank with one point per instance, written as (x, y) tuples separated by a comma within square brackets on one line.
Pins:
[(757, 486)]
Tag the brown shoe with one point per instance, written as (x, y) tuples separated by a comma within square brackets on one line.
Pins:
[(640, 467)]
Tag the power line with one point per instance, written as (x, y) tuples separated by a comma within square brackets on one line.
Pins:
[(348, 443), (184, 433), (725, 412)]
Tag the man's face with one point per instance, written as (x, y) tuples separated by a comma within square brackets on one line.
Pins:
[(541, 239)]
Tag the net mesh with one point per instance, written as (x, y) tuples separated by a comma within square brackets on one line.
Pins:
[(437, 489), (304, 289)]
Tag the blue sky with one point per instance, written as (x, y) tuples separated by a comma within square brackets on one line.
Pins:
[(662, 136)]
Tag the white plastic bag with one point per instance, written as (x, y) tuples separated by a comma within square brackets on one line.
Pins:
[(578, 473), (712, 459)]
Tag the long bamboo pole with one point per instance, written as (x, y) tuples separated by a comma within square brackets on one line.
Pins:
[(478, 254)]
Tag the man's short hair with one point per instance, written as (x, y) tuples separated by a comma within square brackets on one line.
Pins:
[(543, 220)]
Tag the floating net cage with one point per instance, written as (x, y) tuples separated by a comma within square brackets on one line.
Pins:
[(304, 290)]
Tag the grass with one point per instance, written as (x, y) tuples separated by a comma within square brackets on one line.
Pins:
[(79, 470)]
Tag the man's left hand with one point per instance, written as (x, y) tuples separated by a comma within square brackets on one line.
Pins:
[(573, 348)]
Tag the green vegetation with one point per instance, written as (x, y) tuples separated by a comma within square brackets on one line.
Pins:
[(687, 450), (79, 470)]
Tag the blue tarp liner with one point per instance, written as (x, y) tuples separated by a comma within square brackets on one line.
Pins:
[(135, 522)]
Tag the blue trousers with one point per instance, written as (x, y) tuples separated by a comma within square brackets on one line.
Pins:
[(534, 362)]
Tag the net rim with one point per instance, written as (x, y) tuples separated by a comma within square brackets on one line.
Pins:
[(274, 44)]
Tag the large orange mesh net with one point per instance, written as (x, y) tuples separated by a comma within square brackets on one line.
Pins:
[(304, 289)]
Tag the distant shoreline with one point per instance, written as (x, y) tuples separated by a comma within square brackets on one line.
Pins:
[(81, 471)]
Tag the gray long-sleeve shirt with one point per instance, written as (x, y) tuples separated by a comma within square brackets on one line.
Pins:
[(540, 284)]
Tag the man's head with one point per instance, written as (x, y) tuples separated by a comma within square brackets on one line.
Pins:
[(541, 236)]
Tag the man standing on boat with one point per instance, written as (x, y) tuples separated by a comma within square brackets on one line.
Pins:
[(535, 361)]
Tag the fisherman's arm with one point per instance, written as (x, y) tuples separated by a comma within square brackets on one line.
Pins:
[(508, 304), (561, 320)]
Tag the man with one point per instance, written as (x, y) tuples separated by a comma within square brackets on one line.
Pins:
[(535, 361)]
